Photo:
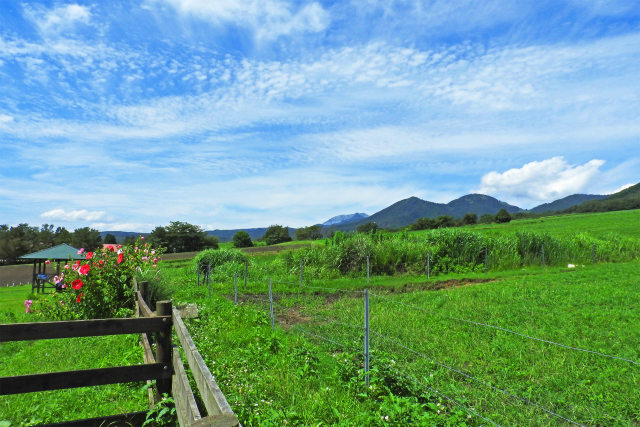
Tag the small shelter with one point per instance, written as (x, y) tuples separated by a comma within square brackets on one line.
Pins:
[(62, 252)]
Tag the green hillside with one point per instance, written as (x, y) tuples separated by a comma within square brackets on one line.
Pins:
[(628, 198), (625, 223)]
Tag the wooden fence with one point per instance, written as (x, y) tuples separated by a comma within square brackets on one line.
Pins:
[(164, 365)]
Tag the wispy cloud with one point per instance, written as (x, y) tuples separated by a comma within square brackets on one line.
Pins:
[(72, 215), (267, 19)]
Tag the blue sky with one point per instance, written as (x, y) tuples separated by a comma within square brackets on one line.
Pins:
[(126, 115)]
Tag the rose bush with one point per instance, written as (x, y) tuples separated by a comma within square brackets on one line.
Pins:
[(100, 286)]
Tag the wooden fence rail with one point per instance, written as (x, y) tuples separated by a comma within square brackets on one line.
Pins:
[(164, 365)]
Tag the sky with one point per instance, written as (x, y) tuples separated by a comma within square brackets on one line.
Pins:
[(126, 115)]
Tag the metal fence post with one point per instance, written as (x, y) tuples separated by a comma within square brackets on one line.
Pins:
[(271, 306), (543, 263), (366, 336), (428, 264), (235, 288), (367, 269)]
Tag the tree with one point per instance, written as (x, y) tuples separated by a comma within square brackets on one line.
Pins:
[(62, 235), (242, 240), (445, 221), (470, 219), (87, 238), (211, 242), (110, 239), (503, 216), (47, 236), (487, 219), (367, 227), (313, 232), (180, 236), (276, 234), (423, 224)]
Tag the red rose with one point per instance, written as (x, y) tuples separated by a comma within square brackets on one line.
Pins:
[(84, 269), (77, 284), (79, 297), (120, 258), (89, 255)]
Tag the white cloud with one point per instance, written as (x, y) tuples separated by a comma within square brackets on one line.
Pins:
[(268, 19), (73, 215), (546, 180), (60, 19)]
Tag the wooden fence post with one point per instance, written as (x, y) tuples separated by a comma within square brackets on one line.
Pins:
[(163, 346)]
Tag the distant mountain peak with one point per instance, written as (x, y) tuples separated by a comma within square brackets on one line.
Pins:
[(341, 219)]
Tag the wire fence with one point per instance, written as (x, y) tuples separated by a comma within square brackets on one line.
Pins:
[(322, 328)]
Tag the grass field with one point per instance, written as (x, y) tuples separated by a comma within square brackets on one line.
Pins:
[(626, 223), (528, 346)]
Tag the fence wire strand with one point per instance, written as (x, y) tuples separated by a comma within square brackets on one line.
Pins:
[(479, 381), (439, 393), (506, 330), (322, 337)]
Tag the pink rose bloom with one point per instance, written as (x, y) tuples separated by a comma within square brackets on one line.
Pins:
[(27, 304), (80, 251)]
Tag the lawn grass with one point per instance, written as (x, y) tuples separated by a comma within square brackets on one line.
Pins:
[(12, 298)]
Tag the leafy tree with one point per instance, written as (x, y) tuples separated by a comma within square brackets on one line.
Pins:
[(87, 238), (181, 236), (211, 242), (486, 219), (18, 241), (367, 227), (445, 221), (276, 234), (503, 216), (470, 219), (313, 232), (242, 240), (423, 224), (62, 235), (110, 239), (47, 236)]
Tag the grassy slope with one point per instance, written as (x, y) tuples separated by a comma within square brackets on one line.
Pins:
[(626, 223)]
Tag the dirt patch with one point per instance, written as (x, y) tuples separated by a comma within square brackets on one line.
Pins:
[(291, 317), (430, 286), (10, 274)]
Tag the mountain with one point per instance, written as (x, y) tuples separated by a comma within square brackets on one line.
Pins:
[(566, 202), (340, 219), (479, 204), (405, 212), (629, 198)]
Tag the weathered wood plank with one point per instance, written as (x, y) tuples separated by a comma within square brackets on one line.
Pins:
[(221, 420), (186, 406), (164, 347), (82, 378), (212, 396), (81, 328), (145, 311), (147, 350), (129, 419)]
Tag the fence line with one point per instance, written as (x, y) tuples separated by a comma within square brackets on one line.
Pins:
[(471, 377), (322, 337), (505, 330), (469, 410)]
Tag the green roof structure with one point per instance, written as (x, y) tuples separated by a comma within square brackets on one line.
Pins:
[(61, 252)]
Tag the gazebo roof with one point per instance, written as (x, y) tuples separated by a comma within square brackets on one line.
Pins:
[(60, 252)]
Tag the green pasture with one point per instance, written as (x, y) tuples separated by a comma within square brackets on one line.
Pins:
[(626, 223), (12, 299)]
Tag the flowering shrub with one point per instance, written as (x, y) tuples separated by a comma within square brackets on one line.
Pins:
[(100, 286)]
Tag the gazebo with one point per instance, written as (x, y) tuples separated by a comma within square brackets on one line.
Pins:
[(58, 253)]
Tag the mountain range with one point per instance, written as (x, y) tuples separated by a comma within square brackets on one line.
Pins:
[(407, 211)]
